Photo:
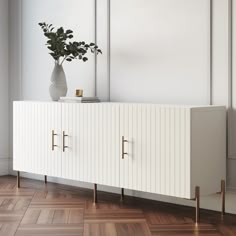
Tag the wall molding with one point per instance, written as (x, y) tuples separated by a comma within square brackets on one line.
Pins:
[(109, 48), (103, 41), (20, 48), (230, 52), (211, 55), (230, 154), (95, 57)]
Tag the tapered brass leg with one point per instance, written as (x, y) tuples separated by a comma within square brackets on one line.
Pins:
[(95, 200), (18, 179), (45, 179), (223, 197), (122, 196), (197, 200)]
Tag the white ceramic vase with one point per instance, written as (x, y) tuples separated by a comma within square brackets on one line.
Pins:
[(58, 88)]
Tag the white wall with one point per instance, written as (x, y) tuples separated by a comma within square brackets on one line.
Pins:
[(37, 64), (121, 73), (4, 134), (157, 47)]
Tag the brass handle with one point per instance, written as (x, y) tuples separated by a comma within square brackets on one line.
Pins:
[(53, 142), (123, 147), (63, 141)]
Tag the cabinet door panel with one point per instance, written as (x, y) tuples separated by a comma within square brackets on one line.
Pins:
[(54, 162), (158, 148), (93, 141), (108, 145), (71, 125), (33, 125), (78, 124), (138, 127)]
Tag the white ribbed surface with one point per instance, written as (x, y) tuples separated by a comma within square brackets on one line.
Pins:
[(158, 148), (33, 124), (162, 158), (54, 159), (93, 154)]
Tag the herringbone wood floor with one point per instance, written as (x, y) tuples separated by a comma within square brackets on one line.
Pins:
[(60, 210)]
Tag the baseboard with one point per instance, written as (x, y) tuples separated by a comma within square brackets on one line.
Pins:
[(4, 166), (211, 202)]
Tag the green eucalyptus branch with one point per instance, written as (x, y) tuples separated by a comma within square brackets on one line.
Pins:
[(61, 49)]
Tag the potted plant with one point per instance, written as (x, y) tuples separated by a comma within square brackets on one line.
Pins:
[(62, 49)]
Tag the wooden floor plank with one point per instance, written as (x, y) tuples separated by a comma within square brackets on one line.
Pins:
[(76, 216), (8, 229), (55, 230), (46, 216), (61, 216), (116, 229), (31, 216)]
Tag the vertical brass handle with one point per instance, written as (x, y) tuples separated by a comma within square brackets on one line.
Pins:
[(63, 141), (123, 147), (53, 141)]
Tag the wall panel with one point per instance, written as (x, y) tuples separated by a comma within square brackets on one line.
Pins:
[(103, 41), (37, 65), (160, 51), (4, 100), (220, 52), (232, 113)]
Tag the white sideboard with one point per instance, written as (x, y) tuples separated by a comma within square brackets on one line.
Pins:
[(163, 149)]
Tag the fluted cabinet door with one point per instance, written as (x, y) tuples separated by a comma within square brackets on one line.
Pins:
[(93, 143), (107, 145), (76, 142), (33, 125), (54, 159), (158, 149), (137, 169)]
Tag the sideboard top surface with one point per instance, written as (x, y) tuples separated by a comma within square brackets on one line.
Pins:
[(129, 103)]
